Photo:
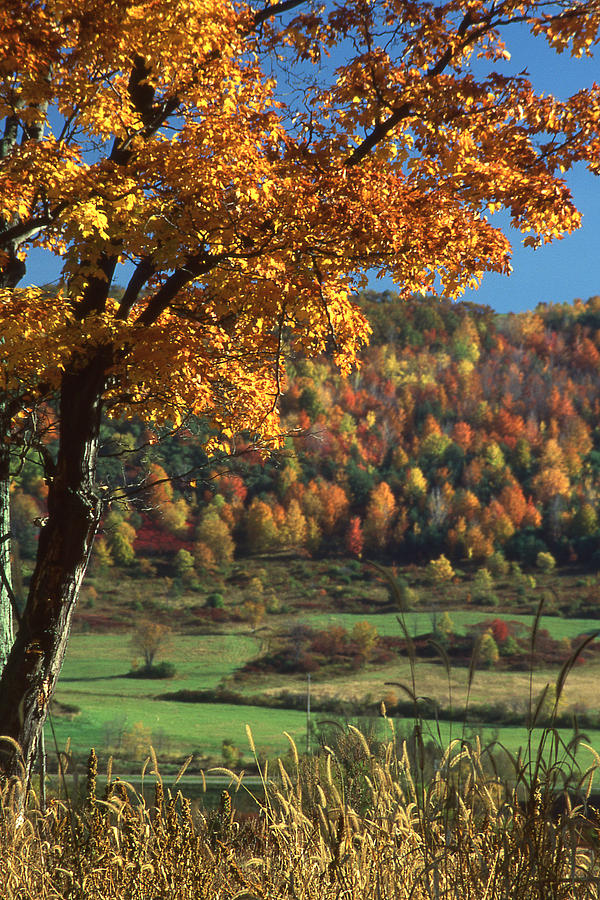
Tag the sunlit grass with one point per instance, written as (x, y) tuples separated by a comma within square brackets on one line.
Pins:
[(361, 819)]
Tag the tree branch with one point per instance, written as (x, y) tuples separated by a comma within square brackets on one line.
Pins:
[(7, 585), (276, 9), (379, 133), (382, 129), (21, 231), (143, 271), (195, 268)]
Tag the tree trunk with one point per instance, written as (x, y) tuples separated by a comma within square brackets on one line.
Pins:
[(10, 274), (29, 677), (6, 622)]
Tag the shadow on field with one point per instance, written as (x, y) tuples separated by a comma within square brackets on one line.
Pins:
[(93, 678)]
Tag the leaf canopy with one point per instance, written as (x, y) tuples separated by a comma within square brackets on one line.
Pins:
[(242, 167)]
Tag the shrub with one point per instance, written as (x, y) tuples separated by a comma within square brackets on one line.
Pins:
[(364, 636), (274, 605), (231, 754), (331, 642), (146, 568), (101, 556), (488, 650), (183, 564), (445, 625), (511, 647), (483, 582), (497, 564), (440, 569), (307, 663), (499, 630), (402, 595), (215, 600), (545, 562), (136, 741), (90, 596), (254, 612), (160, 670)]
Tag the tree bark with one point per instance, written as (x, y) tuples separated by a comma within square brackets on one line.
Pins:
[(6, 621), (31, 672)]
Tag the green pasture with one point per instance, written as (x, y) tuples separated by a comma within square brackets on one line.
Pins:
[(93, 680), (201, 729), (182, 728), (97, 663), (421, 622)]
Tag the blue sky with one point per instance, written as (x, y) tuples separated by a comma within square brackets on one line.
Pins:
[(565, 269), (555, 273), (570, 268)]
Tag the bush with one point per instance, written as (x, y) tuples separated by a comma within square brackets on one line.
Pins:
[(364, 636), (230, 753), (510, 647), (161, 670), (183, 564), (215, 601), (445, 626), (488, 650), (545, 562), (440, 569), (274, 605), (402, 595), (497, 564), (499, 630), (482, 583)]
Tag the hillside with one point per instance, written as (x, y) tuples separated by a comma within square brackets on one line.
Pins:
[(463, 433)]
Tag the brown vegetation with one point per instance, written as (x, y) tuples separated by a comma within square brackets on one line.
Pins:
[(359, 820)]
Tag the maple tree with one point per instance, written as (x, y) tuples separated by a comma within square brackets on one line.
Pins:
[(158, 141), (148, 639), (354, 540), (379, 517)]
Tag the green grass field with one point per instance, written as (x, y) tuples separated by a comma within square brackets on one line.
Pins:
[(93, 680), (422, 622), (183, 728), (96, 663), (111, 704)]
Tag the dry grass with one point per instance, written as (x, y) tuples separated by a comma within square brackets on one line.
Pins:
[(393, 820), (489, 686), (356, 821)]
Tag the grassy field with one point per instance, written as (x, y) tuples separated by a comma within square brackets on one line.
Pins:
[(112, 705), (488, 687), (179, 729), (422, 622), (97, 663), (114, 709)]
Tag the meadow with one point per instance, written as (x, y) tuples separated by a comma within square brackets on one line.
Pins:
[(117, 714), (455, 808)]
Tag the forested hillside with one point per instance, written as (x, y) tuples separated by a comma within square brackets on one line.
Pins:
[(463, 433)]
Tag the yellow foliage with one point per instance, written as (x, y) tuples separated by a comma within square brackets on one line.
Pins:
[(441, 569), (244, 217)]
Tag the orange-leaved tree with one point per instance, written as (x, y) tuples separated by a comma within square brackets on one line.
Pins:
[(239, 167)]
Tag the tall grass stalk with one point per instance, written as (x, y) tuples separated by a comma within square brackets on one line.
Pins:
[(393, 819)]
